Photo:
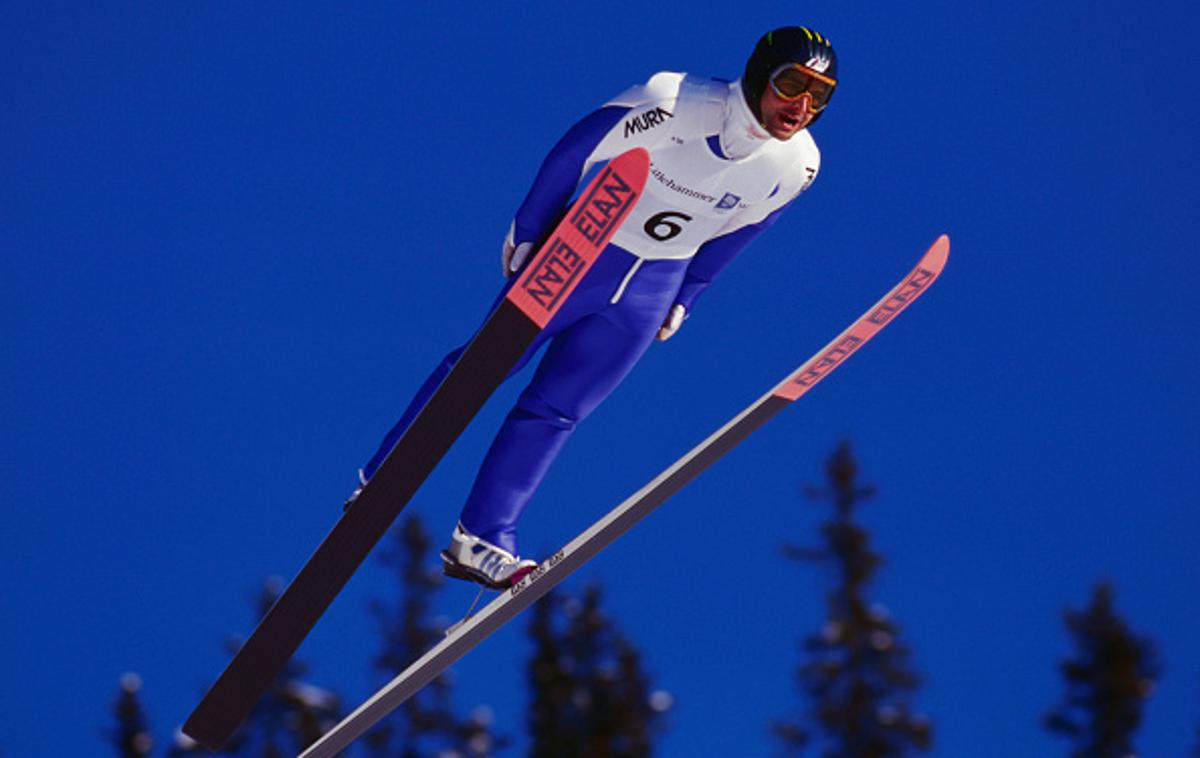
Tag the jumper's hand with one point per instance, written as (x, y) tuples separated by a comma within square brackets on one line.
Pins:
[(512, 255), (672, 322)]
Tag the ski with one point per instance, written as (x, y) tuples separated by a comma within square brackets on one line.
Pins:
[(539, 292), (559, 566)]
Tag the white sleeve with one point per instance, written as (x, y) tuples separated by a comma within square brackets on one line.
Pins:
[(661, 91), (662, 86)]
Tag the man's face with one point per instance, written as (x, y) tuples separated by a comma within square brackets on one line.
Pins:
[(783, 118)]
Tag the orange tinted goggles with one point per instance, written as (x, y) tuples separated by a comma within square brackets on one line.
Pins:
[(791, 81)]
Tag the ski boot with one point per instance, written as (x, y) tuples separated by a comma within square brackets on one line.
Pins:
[(477, 560)]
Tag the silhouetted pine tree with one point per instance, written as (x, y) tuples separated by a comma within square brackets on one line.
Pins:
[(590, 695), (858, 675), (131, 736), (425, 725), (290, 717), (1110, 676)]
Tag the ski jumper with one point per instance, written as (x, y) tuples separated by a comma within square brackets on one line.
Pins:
[(717, 181)]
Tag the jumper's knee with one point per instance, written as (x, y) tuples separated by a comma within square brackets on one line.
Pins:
[(533, 406)]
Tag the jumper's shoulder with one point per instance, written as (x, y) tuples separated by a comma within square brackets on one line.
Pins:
[(802, 149), (799, 162), (662, 86)]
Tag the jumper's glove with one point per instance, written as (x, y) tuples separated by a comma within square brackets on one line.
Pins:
[(513, 255), (672, 322)]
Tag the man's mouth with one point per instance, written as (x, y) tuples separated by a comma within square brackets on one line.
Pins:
[(789, 121)]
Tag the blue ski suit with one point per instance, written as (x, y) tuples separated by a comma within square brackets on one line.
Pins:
[(717, 181)]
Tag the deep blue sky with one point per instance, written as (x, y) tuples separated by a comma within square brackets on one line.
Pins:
[(235, 240)]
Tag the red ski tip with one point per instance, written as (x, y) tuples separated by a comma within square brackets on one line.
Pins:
[(868, 325), (938, 253)]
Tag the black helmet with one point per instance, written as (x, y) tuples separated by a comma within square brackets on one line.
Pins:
[(791, 44)]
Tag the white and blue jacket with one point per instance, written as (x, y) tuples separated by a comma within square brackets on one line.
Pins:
[(717, 179)]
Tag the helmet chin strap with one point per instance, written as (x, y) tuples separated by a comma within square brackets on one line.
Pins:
[(741, 132)]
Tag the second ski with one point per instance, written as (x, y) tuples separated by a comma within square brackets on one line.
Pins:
[(559, 566)]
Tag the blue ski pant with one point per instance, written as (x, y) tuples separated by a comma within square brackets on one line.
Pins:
[(593, 343)]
